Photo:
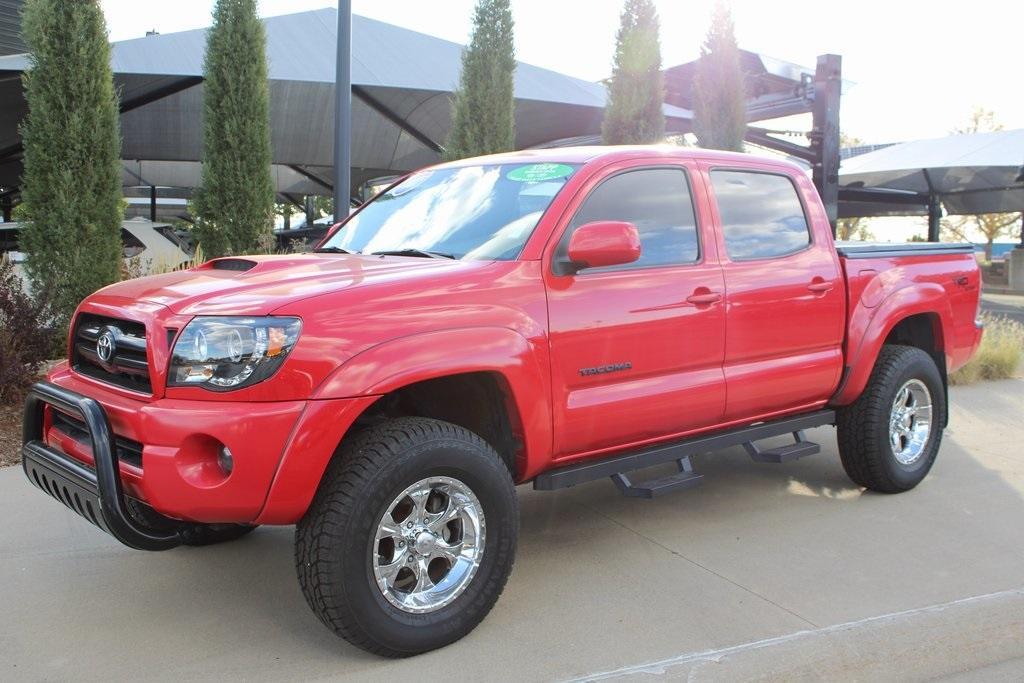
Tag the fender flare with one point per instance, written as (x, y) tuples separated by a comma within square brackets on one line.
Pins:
[(868, 329), (521, 362)]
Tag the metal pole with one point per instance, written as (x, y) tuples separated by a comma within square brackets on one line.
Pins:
[(152, 203), (343, 112), (828, 89), (934, 218)]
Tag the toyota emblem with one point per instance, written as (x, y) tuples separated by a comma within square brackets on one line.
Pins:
[(105, 346)]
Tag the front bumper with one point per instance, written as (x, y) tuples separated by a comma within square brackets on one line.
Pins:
[(95, 494)]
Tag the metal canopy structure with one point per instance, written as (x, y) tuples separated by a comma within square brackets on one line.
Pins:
[(776, 89), (10, 27), (401, 84), (964, 174)]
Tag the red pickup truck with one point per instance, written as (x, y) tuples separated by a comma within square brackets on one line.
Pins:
[(553, 317)]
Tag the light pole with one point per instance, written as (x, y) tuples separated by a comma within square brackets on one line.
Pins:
[(343, 113)]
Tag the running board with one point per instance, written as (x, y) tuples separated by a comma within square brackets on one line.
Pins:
[(799, 449), (679, 451)]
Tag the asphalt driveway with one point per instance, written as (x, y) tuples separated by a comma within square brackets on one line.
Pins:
[(764, 571)]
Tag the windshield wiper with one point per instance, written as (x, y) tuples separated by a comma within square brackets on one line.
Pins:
[(331, 250), (413, 252)]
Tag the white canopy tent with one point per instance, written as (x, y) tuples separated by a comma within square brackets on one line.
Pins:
[(963, 174)]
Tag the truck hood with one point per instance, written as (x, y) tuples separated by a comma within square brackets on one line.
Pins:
[(257, 285)]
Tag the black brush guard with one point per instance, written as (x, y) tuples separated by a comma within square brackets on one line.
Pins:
[(97, 495)]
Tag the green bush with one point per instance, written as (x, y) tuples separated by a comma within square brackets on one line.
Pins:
[(719, 105), (26, 342), (234, 205), (71, 187), (1000, 353), (636, 92), (483, 105)]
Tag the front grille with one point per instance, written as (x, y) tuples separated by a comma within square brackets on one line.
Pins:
[(126, 366)]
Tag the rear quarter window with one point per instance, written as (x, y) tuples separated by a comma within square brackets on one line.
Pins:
[(761, 214)]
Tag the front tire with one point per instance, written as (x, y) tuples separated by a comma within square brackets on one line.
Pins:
[(889, 437), (411, 537)]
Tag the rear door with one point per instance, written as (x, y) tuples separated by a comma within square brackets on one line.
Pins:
[(637, 349), (785, 313)]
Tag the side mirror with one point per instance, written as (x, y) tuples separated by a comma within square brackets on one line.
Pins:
[(602, 243)]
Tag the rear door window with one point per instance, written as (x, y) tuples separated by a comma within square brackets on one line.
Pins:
[(761, 214)]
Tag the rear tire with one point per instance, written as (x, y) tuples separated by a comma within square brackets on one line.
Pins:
[(367, 505), (889, 437)]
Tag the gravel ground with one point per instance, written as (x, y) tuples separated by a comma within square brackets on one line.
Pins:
[(10, 434)]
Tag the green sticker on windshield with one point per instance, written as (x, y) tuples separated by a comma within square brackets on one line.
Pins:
[(536, 173)]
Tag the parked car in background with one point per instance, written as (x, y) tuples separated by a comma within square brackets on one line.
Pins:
[(548, 316), (148, 247)]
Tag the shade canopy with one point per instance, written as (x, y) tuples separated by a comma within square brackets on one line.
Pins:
[(969, 174), (401, 81)]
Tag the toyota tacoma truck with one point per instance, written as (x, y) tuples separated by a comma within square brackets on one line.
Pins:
[(554, 317)]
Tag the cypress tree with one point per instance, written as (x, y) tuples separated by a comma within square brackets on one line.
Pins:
[(71, 187), (234, 204), (720, 109), (637, 90), (483, 106)]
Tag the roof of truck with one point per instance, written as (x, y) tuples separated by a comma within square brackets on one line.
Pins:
[(582, 155)]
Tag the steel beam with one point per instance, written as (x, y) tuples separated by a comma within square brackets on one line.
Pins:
[(394, 118), (310, 176), (343, 111), (881, 196), (760, 136), (828, 81)]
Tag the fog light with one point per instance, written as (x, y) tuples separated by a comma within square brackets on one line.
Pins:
[(225, 459)]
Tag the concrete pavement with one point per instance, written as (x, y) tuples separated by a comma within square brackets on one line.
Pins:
[(778, 572)]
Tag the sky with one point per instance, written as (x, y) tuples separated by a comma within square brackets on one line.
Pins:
[(916, 69)]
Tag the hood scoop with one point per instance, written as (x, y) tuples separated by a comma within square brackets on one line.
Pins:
[(236, 264)]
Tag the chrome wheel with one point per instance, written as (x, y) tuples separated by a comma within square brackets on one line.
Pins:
[(910, 422), (428, 545)]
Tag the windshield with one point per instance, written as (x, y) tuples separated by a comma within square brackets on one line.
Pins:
[(468, 212)]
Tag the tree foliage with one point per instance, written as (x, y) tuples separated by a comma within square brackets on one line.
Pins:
[(71, 187), (719, 105), (234, 204), (483, 106), (636, 91)]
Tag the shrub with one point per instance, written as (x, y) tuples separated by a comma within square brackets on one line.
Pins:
[(483, 106), (234, 205), (25, 340), (636, 92), (71, 186), (1000, 353)]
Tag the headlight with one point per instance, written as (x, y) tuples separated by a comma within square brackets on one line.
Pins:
[(224, 353)]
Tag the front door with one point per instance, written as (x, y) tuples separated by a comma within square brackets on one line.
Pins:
[(637, 350)]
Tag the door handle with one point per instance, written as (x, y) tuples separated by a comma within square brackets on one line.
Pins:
[(705, 297), (820, 286)]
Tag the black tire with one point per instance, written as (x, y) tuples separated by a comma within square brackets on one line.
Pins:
[(334, 540), (210, 534), (863, 426)]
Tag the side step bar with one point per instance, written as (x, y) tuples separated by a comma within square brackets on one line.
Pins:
[(680, 451)]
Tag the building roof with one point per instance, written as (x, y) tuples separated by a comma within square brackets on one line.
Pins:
[(10, 27), (402, 82)]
